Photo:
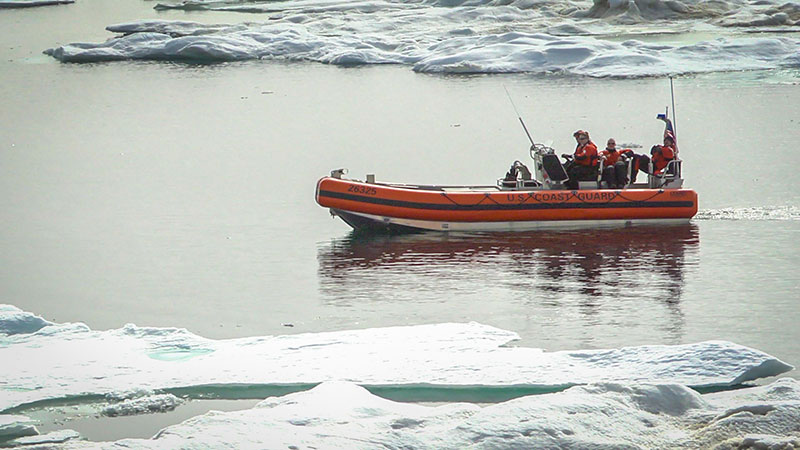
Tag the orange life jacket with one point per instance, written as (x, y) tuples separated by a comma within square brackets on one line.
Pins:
[(586, 154), (611, 157), (662, 157)]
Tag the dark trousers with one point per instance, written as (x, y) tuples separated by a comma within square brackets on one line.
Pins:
[(578, 172), (617, 175), (644, 166)]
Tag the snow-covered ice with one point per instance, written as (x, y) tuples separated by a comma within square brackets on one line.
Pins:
[(15, 321), (60, 361), (47, 438), (12, 426), (481, 36), (633, 397), (142, 405), (597, 416)]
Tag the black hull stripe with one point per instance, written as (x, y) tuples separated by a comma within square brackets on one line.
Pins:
[(503, 207)]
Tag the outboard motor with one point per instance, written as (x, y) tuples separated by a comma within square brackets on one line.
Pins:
[(518, 176)]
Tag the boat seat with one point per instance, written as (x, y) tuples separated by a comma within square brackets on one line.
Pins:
[(670, 177), (552, 166)]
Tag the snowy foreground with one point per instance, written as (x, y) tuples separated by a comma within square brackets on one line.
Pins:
[(54, 361), (637, 397), (598, 416)]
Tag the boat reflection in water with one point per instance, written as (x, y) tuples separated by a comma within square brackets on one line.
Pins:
[(613, 277)]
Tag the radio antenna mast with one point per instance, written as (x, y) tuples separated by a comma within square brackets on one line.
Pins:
[(674, 119), (518, 115)]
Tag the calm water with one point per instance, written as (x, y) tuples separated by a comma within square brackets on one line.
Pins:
[(182, 195)]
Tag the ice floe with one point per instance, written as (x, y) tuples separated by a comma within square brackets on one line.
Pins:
[(32, 3), (69, 361), (54, 437), (475, 36), (142, 405), (13, 426), (594, 57), (764, 14), (14, 321), (471, 53), (598, 416), (621, 11)]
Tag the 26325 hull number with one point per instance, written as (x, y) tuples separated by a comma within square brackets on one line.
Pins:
[(362, 190)]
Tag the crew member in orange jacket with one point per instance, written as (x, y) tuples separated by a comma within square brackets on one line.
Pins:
[(661, 155), (584, 161), (615, 166)]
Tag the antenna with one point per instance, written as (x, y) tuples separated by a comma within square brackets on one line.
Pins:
[(674, 120), (518, 115)]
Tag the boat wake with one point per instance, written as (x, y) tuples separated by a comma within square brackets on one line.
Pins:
[(780, 213)]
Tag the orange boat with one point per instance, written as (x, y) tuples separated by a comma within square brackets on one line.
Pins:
[(529, 202)]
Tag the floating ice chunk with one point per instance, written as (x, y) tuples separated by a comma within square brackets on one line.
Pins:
[(192, 5), (787, 14), (67, 360), (636, 11), (601, 416), (12, 426), (462, 40), (143, 405), (15, 321), (134, 46), (621, 11), (313, 6), (162, 46), (590, 56), (642, 59), (173, 28), (32, 3), (54, 437)]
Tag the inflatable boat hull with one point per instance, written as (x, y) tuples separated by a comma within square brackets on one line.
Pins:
[(463, 208)]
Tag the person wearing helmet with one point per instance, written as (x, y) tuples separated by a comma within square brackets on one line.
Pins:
[(584, 161)]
